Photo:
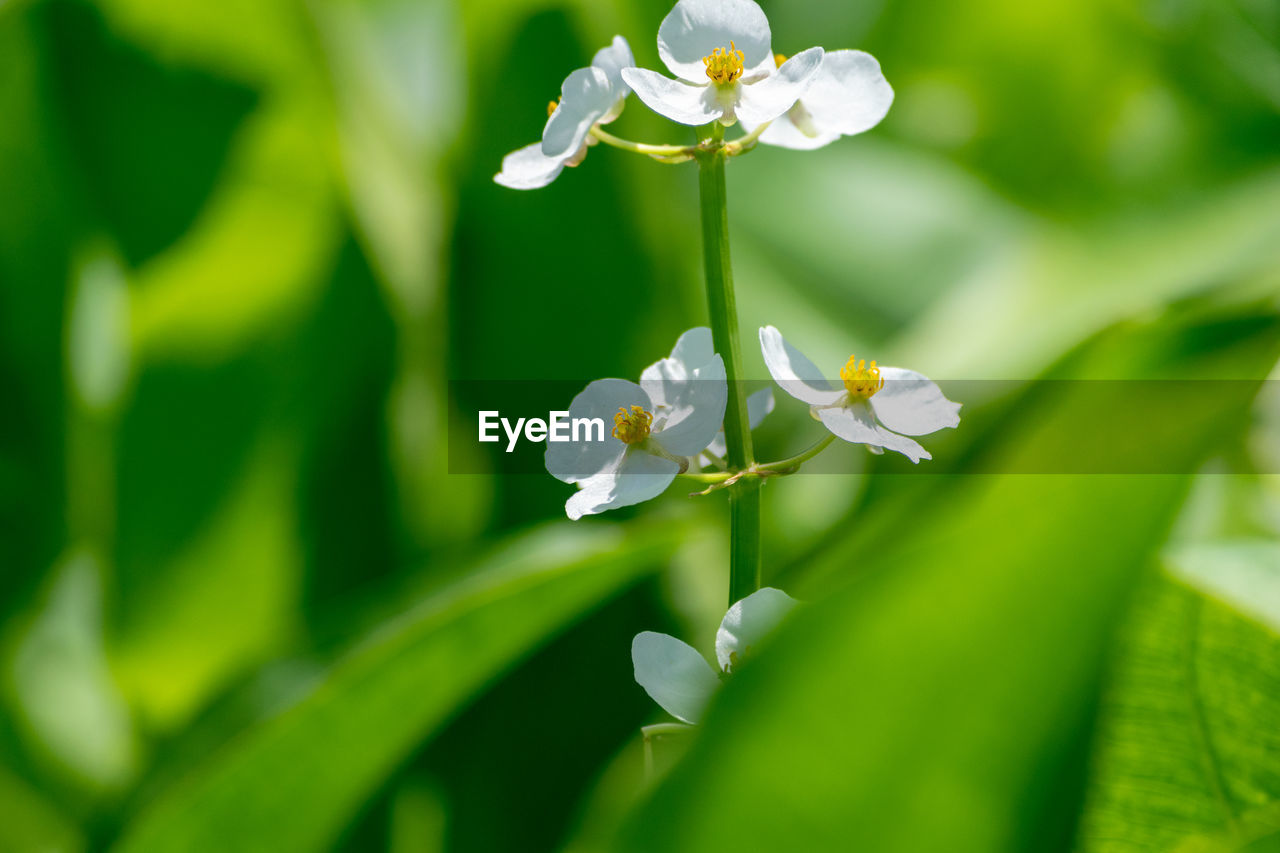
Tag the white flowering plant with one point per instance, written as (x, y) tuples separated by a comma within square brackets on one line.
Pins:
[(690, 416)]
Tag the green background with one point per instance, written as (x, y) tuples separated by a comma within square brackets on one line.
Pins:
[(244, 605)]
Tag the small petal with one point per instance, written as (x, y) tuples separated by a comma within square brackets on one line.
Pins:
[(694, 28), (912, 404), (849, 95), (673, 674), (775, 94), (679, 101), (529, 169), (857, 424), (585, 96), (575, 461), (748, 622), (794, 373), (664, 379), (611, 60), (635, 478), (697, 412)]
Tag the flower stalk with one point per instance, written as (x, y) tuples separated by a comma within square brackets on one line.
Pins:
[(661, 153), (744, 495), (792, 464)]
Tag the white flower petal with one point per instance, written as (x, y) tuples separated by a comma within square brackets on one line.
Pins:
[(785, 130), (857, 424), (748, 622), (528, 168), (697, 412), (673, 674), (575, 461), (694, 348), (584, 98), (849, 93), (611, 60), (794, 373), (694, 28), (663, 379), (912, 404), (681, 102), (775, 94), (635, 478)]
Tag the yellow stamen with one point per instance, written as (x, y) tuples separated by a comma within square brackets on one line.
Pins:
[(860, 381), (631, 427), (724, 66), (779, 58), (551, 106)]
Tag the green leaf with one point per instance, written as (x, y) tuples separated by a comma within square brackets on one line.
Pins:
[(936, 705), (28, 821), (294, 782), (1188, 755)]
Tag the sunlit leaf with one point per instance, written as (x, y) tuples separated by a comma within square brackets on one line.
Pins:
[(1188, 755)]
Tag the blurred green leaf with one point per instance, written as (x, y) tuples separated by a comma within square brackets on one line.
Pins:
[(223, 602), (59, 683), (126, 114), (388, 694), (1188, 754), (1058, 288), (30, 822), (943, 701)]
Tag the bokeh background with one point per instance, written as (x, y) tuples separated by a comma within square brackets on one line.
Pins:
[(244, 604)]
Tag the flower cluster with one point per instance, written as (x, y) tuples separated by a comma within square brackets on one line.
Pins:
[(720, 53), (672, 422)]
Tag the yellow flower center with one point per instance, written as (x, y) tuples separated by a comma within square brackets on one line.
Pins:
[(779, 58), (860, 381), (724, 66), (551, 106), (631, 427)]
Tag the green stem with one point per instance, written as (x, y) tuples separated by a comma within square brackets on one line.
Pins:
[(709, 477), (661, 151), (746, 143), (799, 458), (744, 495)]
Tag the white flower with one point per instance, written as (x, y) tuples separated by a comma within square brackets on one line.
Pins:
[(871, 406), (695, 348), (589, 96), (679, 679), (672, 414), (720, 51), (847, 96)]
